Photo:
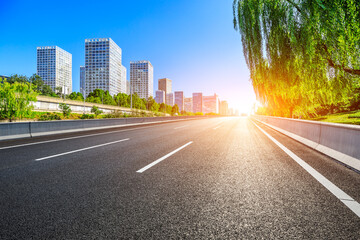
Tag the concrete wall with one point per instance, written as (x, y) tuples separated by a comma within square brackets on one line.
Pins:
[(339, 141), (41, 128), (52, 104)]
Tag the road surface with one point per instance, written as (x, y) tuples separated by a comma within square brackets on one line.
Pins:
[(217, 178)]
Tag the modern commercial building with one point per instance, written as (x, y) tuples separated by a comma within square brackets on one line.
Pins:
[(170, 99), (224, 108), (160, 96), (142, 78), (188, 106), (123, 86), (127, 87), (165, 84), (54, 66), (179, 100), (197, 102), (103, 67), (211, 104), (82, 79)]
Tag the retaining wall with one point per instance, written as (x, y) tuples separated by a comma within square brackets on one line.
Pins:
[(339, 141), (40, 128)]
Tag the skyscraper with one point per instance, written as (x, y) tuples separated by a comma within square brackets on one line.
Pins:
[(188, 104), (82, 79), (123, 86), (179, 100), (142, 78), (160, 96), (54, 66), (224, 108), (165, 84), (211, 104), (170, 99), (197, 102), (103, 66)]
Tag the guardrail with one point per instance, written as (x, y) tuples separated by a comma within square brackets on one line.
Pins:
[(31, 129), (339, 141)]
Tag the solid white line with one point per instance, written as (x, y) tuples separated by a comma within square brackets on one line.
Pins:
[(163, 158), (217, 127), (82, 149), (340, 194), (181, 127), (68, 138)]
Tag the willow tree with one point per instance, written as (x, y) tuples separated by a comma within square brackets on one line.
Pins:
[(302, 54)]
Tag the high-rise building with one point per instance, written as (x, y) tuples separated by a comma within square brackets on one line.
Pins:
[(170, 99), (197, 102), (127, 87), (54, 66), (211, 104), (188, 106), (142, 78), (179, 100), (165, 84), (160, 96), (82, 79), (224, 108), (123, 86), (103, 66)]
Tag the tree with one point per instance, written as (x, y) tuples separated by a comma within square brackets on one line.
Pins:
[(100, 96), (77, 96), (65, 108), (15, 99), (96, 110), (40, 87), (151, 105), (122, 100), (302, 55), (162, 107), (175, 110)]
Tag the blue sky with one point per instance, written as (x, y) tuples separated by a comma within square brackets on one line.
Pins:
[(191, 42)]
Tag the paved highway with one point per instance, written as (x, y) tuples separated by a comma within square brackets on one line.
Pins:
[(217, 178)]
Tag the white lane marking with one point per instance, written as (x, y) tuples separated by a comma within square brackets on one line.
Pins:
[(162, 158), (340, 194), (181, 127), (82, 149), (68, 138), (217, 127)]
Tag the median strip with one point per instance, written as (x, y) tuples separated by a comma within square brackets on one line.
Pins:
[(82, 149), (337, 192), (163, 158)]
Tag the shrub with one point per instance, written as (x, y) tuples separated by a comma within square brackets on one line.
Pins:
[(49, 117), (87, 116), (66, 110)]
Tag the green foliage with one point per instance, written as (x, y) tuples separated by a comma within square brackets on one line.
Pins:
[(49, 117), (87, 116), (199, 113), (96, 110), (100, 96), (40, 87), (122, 100), (65, 108), (77, 96), (175, 110), (151, 105), (303, 55), (15, 99)]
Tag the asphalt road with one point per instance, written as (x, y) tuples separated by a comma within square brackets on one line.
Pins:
[(218, 178)]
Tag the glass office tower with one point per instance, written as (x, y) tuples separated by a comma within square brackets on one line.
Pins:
[(103, 67), (142, 78), (54, 66)]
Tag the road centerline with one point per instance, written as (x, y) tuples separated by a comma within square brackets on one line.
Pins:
[(163, 158), (181, 127), (335, 190), (82, 149)]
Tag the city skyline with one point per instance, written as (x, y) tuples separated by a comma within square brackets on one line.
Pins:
[(193, 44)]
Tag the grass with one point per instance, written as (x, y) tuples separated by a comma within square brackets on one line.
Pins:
[(346, 118)]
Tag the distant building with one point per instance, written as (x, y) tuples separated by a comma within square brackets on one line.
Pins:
[(127, 87), (231, 111), (160, 96), (103, 67), (224, 108), (170, 99), (54, 66), (165, 84), (211, 104), (142, 78), (197, 102), (188, 106), (123, 86), (179, 100), (82, 79)]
